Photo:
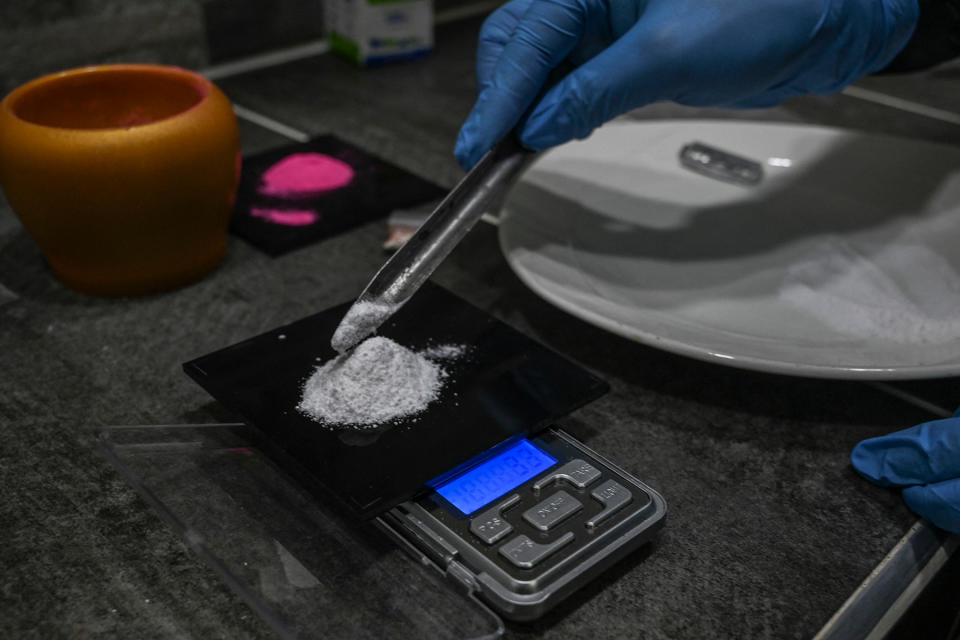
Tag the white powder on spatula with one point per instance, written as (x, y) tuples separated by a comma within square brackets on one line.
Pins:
[(361, 320), (377, 382)]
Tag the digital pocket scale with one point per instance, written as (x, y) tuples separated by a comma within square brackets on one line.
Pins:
[(529, 522), (481, 485)]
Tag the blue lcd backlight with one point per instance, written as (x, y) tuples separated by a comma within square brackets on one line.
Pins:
[(498, 475)]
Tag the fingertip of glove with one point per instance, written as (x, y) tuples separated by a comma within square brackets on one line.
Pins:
[(463, 152), (471, 143), (867, 462), (491, 118)]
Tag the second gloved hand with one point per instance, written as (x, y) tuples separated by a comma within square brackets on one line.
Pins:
[(623, 54), (925, 461)]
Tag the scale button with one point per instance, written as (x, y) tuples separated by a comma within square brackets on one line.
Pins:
[(552, 511), (613, 496), (525, 553), (490, 526), (579, 473)]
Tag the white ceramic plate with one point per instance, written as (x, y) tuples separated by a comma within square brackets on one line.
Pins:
[(844, 262)]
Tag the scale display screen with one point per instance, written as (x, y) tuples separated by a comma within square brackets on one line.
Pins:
[(496, 476)]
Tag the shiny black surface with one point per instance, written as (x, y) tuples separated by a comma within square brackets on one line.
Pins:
[(377, 188), (506, 385)]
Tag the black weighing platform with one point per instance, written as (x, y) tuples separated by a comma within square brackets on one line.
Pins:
[(504, 387)]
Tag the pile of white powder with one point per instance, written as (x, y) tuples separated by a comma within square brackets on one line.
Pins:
[(377, 382)]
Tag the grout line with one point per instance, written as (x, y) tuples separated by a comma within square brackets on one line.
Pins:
[(904, 105), (269, 123), (7, 296), (909, 595), (264, 60), (909, 398), (920, 552)]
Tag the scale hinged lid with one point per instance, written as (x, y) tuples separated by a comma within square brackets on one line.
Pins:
[(305, 568)]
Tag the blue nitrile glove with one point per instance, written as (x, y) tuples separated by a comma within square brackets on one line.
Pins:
[(925, 460), (628, 53)]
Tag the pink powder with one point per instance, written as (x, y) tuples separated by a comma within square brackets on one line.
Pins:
[(302, 175), (286, 217)]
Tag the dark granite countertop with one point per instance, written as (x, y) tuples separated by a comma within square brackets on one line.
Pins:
[(770, 530)]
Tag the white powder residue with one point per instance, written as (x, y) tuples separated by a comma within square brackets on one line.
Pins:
[(905, 293), (362, 319), (377, 382), (444, 352)]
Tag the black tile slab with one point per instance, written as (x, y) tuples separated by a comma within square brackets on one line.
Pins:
[(44, 37), (235, 29), (17, 14), (82, 554)]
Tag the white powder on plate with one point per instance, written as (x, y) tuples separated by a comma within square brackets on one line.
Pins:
[(377, 382), (362, 319), (904, 293)]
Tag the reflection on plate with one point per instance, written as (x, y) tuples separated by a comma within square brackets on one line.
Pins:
[(844, 262)]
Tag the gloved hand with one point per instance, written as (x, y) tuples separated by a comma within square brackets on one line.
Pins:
[(925, 460), (628, 53)]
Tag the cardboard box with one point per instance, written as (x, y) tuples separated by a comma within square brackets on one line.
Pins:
[(372, 32)]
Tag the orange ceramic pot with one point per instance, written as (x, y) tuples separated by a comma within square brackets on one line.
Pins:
[(124, 175)]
